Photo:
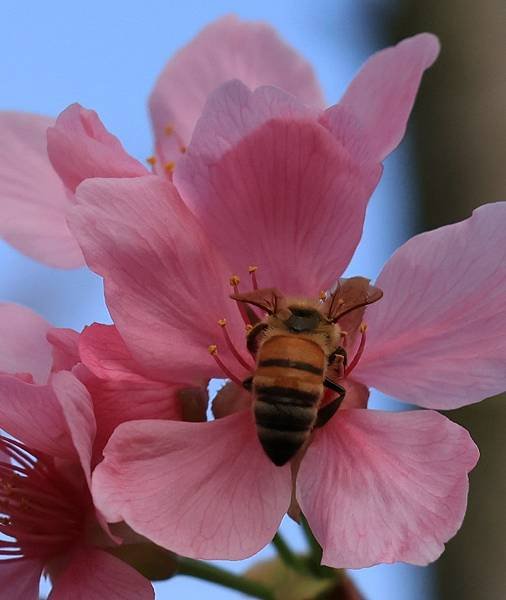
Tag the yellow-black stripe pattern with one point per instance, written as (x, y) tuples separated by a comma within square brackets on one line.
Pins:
[(287, 386)]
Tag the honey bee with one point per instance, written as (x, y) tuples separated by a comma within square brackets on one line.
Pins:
[(298, 353)]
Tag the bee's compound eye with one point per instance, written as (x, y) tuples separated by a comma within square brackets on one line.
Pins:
[(303, 319), (302, 312)]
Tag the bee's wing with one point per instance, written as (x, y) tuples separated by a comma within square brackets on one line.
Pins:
[(268, 299), (350, 294)]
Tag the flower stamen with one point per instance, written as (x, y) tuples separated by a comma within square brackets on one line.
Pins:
[(151, 160), (252, 272), (41, 511), (170, 131), (223, 324), (213, 351), (360, 350), (234, 282)]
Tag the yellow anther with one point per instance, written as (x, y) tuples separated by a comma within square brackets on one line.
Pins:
[(213, 349), (323, 295), (234, 280), (170, 166), (363, 327), (168, 129), (252, 269), (248, 328), (222, 322), (182, 149), (151, 160)]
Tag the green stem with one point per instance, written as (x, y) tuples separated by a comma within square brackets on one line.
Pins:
[(287, 555), (208, 572), (315, 550)]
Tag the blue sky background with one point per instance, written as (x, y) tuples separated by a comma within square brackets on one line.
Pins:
[(107, 55)]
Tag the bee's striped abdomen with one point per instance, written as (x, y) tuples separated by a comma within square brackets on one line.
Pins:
[(288, 386)]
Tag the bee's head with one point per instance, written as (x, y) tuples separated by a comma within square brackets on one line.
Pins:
[(305, 319), (301, 319)]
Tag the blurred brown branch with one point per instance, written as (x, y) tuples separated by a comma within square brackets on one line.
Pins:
[(460, 144)]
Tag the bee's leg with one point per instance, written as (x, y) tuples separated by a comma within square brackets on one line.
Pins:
[(327, 412), (335, 387), (339, 354), (338, 367), (248, 383), (335, 370)]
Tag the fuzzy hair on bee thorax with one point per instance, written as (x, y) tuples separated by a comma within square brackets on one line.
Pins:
[(303, 318)]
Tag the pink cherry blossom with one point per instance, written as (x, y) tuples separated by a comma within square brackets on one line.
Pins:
[(48, 521), (272, 183), (240, 146), (38, 176), (61, 415)]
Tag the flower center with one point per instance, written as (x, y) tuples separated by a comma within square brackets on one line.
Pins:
[(41, 511), (252, 319)]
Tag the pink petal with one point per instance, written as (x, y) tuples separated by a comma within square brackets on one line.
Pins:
[(381, 487), (33, 201), (376, 106), (80, 147), (65, 348), (119, 391), (77, 409), (96, 575), (116, 401), (21, 578), (204, 490), (32, 414), (165, 286), (23, 344), (227, 49), (438, 337), (232, 112), (285, 196), (357, 395), (104, 352)]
